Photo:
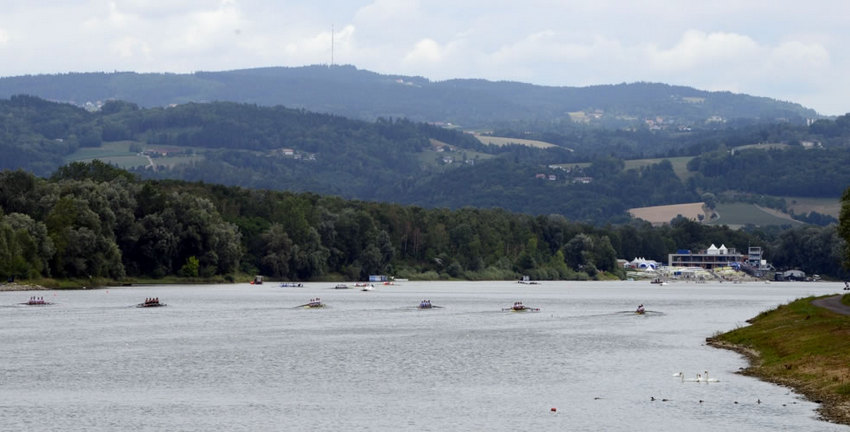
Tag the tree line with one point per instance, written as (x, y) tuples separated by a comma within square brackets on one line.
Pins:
[(93, 220)]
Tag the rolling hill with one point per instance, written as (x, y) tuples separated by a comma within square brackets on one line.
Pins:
[(361, 94)]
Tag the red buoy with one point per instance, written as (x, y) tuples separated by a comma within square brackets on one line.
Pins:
[(553, 409)]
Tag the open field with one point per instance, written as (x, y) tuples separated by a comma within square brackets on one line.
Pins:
[(803, 205), (434, 159), (118, 153), (658, 215), (736, 215), (503, 141), (680, 165), (764, 146)]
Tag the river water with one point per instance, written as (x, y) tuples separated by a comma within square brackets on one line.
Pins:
[(245, 358)]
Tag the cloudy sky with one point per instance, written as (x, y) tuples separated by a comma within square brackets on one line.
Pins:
[(788, 50)]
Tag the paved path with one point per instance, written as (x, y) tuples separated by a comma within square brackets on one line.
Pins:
[(833, 303)]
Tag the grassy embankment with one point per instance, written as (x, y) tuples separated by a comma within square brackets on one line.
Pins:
[(59, 284), (801, 346)]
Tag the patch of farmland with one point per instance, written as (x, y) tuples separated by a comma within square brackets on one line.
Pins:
[(658, 215), (503, 141), (736, 215), (680, 165), (804, 205)]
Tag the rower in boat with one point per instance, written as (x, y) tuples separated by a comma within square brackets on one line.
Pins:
[(36, 301), (151, 302), (640, 310), (519, 307), (315, 303), (425, 304)]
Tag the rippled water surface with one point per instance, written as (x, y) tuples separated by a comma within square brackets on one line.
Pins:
[(245, 358)]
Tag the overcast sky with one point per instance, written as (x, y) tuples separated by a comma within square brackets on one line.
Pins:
[(797, 51)]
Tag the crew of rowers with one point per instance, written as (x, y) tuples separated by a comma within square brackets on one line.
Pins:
[(36, 300), (518, 306), (315, 302), (152, 301), (640, 309), (425, 304)]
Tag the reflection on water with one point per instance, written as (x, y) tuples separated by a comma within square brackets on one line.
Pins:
[(242, 357)]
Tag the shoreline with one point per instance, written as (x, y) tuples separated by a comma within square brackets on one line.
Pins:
[(776, 346), (13, 286), (831, 408)]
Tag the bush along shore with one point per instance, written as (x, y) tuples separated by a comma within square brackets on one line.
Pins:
[(802, 346)]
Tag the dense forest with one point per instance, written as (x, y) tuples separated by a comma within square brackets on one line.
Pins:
[(92, 220), (365, 95), (583, 178)]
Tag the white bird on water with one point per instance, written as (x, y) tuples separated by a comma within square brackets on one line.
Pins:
[(699, 378), (707, 379)]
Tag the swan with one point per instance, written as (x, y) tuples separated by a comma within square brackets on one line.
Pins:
[(699, 378), (707, 379)]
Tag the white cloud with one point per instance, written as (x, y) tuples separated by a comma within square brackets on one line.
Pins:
[(316, 48), (383, 12), (209, 29), (130, 47), (699, 49), (425, 51), (4, 37), (799, 54)]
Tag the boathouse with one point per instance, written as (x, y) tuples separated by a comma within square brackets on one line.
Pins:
[(710, 258)]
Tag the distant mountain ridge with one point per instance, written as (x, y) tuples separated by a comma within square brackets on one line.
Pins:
[(361, 94)]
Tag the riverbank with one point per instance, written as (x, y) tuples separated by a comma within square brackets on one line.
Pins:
[(14, 286), (96, 283), (802, 346)]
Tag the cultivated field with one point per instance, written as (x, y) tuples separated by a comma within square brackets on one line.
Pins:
[(658, 215), (503, 141), (764, 146), (680, 165), (827, 206), (736, 215), (118, 153)]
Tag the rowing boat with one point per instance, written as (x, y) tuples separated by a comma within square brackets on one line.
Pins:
[(314, 303), (146, 305), (519, 307), (426, 304)]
